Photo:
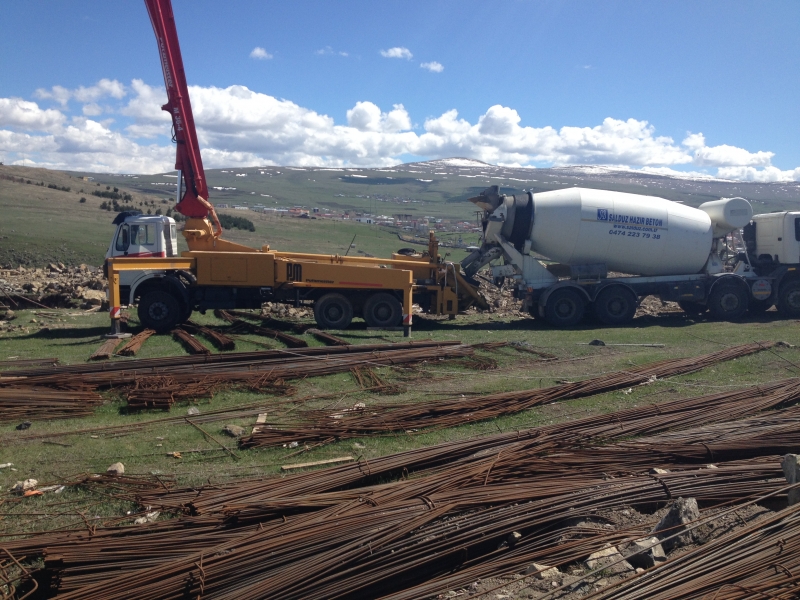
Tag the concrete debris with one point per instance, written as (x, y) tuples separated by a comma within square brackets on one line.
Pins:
[(193, 411), (682, 512), (541, 571), (147, 518), (282, 311), (24, 486), (116, 469), (6, 465), (645, 553), (657, 471), (609, 559), (233, 430), (56, 286)]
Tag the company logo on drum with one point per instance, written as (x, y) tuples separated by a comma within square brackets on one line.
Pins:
[(602, 214)]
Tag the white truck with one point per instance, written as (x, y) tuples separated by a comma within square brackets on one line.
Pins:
[(560, 246)]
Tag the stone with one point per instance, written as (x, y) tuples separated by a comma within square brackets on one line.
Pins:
[(233, 430), (682, 512), (193, 411), (24, 486), (116, 469), (93, 297), (645, 553), (610, 559), (657, 471), (513, 538), (791, 470), (22, 426), (541, 571), (147, 518)]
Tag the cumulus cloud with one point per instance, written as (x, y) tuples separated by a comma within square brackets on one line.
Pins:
[(15, 112), (241, 127), (433, 66), (366, 116), (102, 89), (397, 52), (260, 53)]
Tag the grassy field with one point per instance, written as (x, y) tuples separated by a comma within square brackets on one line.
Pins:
[(43, 224), (70, 447)]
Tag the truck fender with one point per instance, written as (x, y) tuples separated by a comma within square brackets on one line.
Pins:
[(160, 281), (562, 284), (729, 278), (596, 290)]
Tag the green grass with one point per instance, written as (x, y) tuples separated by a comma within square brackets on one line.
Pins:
[(76, 338), (41, 225)]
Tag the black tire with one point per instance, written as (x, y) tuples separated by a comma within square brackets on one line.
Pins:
[(727, 301), (615, 305), (159, 310), (789, 299), (565, 307), (692, 308), (383, 310), (759, 307), (333, 311)]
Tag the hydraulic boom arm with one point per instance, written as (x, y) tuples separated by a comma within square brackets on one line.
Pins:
[(191, 179)]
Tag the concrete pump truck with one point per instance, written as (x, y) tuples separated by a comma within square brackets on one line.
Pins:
[(143, 265)]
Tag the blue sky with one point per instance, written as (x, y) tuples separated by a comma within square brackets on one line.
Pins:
[(703, 87)]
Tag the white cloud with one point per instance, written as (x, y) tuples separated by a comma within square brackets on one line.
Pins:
[(766, 175), (366, 116), (397, 52), (58, 93), (241, 127), (433, 66), (92, 110), (260, 53), (15, 112), (103, 88), (328, 51)]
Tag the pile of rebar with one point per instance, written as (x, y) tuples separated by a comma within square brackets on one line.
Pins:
[(421, 522), (457, 411), (22, 403), (160, 382)]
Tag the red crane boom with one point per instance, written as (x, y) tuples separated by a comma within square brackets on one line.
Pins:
[(193, 203)]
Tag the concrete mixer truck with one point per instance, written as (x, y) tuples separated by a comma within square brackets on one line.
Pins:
[(577, 251)]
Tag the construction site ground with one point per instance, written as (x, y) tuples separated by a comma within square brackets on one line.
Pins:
[(151, 443)]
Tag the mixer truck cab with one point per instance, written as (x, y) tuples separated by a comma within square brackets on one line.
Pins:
[(560, 246)]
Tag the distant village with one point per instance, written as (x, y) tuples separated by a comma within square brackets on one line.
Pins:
[(406, 222)]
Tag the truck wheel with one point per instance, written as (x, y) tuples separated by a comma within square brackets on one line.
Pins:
[(728, 302), (565, 307), (383, 310), (333, 311), (692, 308), (789, 299), (615, 305), (159, 310)]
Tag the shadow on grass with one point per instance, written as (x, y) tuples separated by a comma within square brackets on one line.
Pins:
[(68, 333)]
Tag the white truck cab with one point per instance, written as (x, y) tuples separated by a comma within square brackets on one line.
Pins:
[(777, 237), (143, 236)]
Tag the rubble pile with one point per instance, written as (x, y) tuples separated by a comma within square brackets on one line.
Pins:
[(56, 285)]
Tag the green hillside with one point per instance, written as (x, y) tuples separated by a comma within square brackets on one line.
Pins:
[(43, 222)]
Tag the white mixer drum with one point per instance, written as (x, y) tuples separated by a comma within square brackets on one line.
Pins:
[(630, 233)]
